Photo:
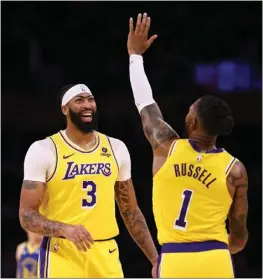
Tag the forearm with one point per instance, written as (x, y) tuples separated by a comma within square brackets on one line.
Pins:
[(237, 240), (141, 88), (138, 229), (33, 221)]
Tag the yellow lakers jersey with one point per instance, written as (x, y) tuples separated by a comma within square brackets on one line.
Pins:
[(27, 263), (190, 196), (81, 189)]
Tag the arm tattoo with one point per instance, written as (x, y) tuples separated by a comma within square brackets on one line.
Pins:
[(29, 185), (238, 178), (134, 219), (30, 218), (156, 130), (37, 223), (239, 208)]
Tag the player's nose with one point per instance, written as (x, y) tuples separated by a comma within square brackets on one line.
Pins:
[(86, 105)]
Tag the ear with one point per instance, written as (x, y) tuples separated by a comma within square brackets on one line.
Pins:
[(64, 110), (194, 123)]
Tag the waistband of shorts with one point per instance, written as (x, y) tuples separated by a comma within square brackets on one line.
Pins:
[(96, 240), (193, 246)]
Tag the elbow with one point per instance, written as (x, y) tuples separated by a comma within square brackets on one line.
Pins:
[(21, 218), (24, 218)]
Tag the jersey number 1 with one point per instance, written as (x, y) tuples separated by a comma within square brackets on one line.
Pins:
[(181, 222)]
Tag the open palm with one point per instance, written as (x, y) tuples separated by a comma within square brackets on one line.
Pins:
[(138, 41)]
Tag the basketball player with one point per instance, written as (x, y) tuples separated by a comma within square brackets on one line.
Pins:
[(27, 256), (70, 181), (196, 186)]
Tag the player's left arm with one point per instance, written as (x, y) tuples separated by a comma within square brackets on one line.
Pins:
[(134, 219), (127, 203), (238, 180)]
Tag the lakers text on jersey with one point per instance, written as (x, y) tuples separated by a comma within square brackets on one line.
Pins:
[(191, 202)]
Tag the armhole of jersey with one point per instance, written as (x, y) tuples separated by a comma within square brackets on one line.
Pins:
[(230, 166), (171, 151), (172, 148), (56, 164), (113, 153), (20, 248)]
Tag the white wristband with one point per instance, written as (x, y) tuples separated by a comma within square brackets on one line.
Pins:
[(142, 91)]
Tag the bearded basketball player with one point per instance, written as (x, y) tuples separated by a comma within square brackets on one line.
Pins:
[(196, 186), (27, 256), (71, 181)]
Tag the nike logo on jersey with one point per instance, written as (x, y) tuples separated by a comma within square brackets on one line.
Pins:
[(66, 157), (111, 251)]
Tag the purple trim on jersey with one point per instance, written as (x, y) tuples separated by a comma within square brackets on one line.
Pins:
[(197, 149), (233, 161), (42, 256), (55, 169), (113, 153), (159, 265), (47, 261), (193, 247), (81, 151), (170, 153)]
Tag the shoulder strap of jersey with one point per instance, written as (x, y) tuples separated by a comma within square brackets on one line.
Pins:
[(172, 147), (230, 165), (53, 140)]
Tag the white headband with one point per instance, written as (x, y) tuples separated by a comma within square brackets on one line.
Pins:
[(73, 92)]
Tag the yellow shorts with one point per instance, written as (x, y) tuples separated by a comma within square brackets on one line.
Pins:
[(210, 259), (59, 258)]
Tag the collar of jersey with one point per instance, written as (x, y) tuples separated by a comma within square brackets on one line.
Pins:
[(195, 147), (75, 147)]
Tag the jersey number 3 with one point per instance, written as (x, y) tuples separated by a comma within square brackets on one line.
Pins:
[(91, 188), (181, 221)]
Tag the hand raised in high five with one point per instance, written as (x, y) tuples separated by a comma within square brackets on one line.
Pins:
[(138, 41)]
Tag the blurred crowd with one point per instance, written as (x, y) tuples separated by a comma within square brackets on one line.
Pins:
[(47, 45)]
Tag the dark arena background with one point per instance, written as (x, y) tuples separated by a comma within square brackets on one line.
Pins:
[(206, 47)]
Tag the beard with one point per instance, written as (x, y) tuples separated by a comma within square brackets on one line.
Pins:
[(85, 127)]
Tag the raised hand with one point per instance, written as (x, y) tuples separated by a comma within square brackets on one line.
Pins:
[(79, 236), (138, 41)]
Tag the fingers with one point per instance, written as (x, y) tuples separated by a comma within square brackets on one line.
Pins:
[(86, 235), (138, 24), (143, 24), (77, 245), (131, 25), (82, 239), (147, 26), (83, 245), (151, 40)]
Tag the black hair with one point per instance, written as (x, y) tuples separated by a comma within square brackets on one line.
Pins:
[(215, 115), (63, 91)]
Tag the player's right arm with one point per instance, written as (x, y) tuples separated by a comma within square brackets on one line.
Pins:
[(37, 161), (35, 170), (157, 131), (238, 180), (30, 200)]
